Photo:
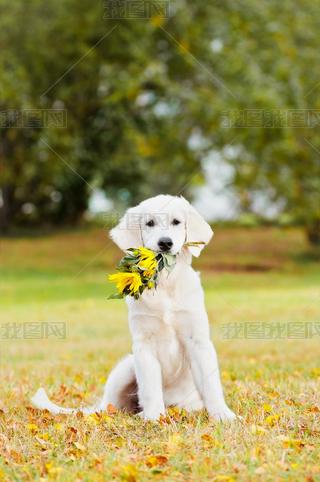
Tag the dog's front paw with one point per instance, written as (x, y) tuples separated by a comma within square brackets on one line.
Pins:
[(222, 414), (150, 415)]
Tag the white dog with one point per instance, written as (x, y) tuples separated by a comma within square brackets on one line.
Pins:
[(173, 360)]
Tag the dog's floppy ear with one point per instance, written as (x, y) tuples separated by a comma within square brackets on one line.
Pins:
[(198, 230), (127, 234)]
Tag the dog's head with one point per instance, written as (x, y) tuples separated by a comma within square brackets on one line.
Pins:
[(162, 223)]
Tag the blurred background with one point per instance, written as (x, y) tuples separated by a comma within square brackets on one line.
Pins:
[(106, 103)]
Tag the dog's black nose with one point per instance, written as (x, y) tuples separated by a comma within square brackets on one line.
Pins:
[(165, 244)]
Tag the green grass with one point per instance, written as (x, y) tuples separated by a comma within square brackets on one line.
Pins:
[(260, 274)]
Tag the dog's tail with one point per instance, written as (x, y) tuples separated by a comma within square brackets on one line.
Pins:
[(120, 381), (42, 401)]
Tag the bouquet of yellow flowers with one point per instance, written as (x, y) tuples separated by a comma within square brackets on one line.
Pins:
[(139, 270)]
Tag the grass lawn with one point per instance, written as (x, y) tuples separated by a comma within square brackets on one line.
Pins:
[(250, 275)]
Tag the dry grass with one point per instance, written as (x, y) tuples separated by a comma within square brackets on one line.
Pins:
[(266, 276)]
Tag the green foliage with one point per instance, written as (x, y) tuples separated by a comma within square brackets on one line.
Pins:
[(135, 96), (271, 54), (109, 82)]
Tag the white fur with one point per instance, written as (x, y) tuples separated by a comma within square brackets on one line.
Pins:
[(174, 361)]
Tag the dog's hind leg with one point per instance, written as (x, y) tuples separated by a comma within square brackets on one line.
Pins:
[(120, 390)]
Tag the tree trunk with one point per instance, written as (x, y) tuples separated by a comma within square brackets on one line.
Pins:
[(6, 208), (313, 232)]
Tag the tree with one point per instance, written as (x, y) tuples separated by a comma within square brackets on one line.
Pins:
[(137, 91), (270, 55), (131, 104)]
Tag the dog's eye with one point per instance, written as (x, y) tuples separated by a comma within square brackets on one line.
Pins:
[(175, 222), (150, 223)]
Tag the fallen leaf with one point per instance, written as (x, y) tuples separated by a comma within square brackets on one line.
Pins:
[(267, 408), (51, 469), (154, 460), (271, 420), (111, 409), (129, 473), (59, 427), (292, 443), (313, 409), (210, 441), (32, 427)]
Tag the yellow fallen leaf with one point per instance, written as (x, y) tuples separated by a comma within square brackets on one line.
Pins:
[(106, 418), (78, 378), (210, 441), (92, 419), (272, 393), (315, 372), (32, 427), (129, 473), (59, 427), (206, 437), (154, 460), (271, 420), (292, 443), (51, 469), (176, 413), (267, 408)]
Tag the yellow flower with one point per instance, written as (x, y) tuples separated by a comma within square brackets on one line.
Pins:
[(124, 281), (147, 260)]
